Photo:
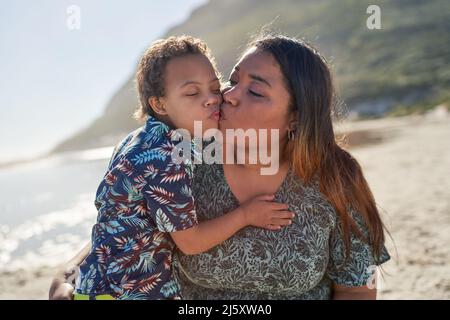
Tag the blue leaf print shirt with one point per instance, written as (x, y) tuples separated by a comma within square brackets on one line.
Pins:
[(143, 196)]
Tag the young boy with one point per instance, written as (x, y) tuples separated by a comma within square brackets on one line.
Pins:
[(145, 204)]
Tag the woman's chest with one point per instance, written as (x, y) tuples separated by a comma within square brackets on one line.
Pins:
[(246, 184), (292, 260)]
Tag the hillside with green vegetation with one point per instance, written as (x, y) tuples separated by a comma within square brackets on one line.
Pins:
[(398, 69)]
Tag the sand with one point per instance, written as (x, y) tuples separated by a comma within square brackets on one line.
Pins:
[(407, 163), (408, 170)]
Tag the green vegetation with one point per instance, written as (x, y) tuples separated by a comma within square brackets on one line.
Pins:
[(401, 68)]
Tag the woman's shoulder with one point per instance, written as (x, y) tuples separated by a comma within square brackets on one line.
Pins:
[(308, 197)]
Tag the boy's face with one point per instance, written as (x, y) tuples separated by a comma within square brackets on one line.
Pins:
[(192, 93)]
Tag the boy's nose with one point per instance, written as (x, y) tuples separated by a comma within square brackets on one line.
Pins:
[(213, 100)]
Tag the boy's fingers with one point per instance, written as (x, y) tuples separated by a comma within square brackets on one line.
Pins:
[(283, 214), (266, 197), (281, 222), (273, 227), (279, 206)]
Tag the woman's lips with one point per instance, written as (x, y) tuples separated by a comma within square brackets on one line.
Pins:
[(221, 115)]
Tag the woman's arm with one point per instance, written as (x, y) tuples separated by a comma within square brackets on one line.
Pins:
[(353, 293), (60, 289)]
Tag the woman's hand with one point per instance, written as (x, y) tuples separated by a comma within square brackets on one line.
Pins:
[(263, 212), (353, 293), (63, 283), (60, 288)]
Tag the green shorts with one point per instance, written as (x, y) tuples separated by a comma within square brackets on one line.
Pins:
[(78, 296)]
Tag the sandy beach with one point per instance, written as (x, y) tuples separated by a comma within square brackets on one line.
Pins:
[(407, 163), (408, 169)]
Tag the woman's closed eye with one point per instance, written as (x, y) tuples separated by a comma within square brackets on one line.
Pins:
[(232, 83), (255, 94)]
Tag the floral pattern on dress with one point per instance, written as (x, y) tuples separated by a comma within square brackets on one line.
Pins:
[(301, 261)]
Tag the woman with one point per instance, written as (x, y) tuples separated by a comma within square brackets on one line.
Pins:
[(337, 235)]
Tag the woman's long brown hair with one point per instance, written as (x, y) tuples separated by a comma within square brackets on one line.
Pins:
[(314, 151)]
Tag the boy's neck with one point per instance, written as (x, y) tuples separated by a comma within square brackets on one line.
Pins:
[(165, 120)]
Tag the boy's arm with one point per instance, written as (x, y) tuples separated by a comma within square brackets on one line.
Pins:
[(169, 195), (208, 234), (259, 212)]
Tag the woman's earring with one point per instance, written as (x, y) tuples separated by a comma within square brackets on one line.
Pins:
[(291, 135)]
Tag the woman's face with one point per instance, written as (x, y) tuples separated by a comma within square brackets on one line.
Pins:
[(256, 97)]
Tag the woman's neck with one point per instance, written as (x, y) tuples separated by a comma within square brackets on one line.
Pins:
[(279, 163)]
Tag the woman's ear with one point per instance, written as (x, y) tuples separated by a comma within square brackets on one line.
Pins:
[(292, 122), (157, 105), (291, 128)]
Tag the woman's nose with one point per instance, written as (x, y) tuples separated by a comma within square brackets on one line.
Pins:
[(229, 96)]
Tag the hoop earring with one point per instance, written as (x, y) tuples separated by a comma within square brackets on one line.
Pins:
[(291, 135)]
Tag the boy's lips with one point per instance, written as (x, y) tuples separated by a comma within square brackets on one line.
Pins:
[(215, 115)]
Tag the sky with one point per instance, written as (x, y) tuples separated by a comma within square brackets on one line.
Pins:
[(56, 78)]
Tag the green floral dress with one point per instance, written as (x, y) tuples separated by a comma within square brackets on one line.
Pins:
[(298, 262)]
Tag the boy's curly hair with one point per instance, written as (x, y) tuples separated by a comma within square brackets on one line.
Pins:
[(151, 68)]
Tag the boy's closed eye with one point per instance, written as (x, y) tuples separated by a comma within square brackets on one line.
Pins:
[(217, 91)]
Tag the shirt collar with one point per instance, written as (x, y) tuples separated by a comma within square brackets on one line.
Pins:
[(173, 134)]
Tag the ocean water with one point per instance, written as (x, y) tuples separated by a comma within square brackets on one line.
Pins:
[(47, 208)]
